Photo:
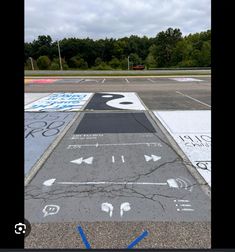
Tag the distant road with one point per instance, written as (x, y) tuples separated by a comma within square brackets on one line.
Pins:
[(116, 73)]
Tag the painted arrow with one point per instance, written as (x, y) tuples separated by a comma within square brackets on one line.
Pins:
[(152, 157), (81, 160), (172, 183)]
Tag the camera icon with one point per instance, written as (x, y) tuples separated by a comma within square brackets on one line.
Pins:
[(20, 228)]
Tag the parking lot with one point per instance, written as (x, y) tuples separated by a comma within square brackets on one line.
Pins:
[(118, 157)]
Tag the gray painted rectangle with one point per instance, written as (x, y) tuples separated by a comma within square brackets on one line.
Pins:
[(40, 131), (95, 123)]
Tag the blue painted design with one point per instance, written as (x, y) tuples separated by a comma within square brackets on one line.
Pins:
[(85, 241), (59, 101), (131, 245), (138, 239)]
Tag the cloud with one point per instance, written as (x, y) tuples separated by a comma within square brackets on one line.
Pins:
[(113, 18)]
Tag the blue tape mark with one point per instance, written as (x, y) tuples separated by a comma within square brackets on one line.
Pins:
[(138, 239), (85, 241)]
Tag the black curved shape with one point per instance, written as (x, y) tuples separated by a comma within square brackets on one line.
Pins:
[(98, 102), (126, 102)]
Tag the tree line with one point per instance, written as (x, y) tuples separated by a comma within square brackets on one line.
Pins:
[(167, 49)]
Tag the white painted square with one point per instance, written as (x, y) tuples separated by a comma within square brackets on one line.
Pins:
[(127, 97), (31, 97), (186, 121), (192, 132), (181, 79), (60, 102)]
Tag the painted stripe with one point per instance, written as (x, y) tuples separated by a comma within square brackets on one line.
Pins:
[(123, 160), (151, 80), (185, 205), (110, 183), (187, 209), (113, 160), (85, 241), (127, 81), (103, 80), (138, 239), (194, 99), (71, 146), (183, 200)]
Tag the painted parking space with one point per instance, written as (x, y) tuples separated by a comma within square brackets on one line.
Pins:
[(150, 80), (200, 95), (115, 101), (68, 81), (114, 177), (79, 81), (60, 102), (41, 129), (41, 81), (192, 132), (31, 97), (171, 100), (27, 81), (117, 81)]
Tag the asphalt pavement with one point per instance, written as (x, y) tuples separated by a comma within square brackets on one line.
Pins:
[(99, 157)]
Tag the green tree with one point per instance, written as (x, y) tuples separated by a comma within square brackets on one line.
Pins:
[(150, 61), (114, 63), (135, 59), (119, 47), (65, 66), (165, 45), (124, 64), (206, 54), (103, 66), (41, 46), (77, 62), (27, 51), (182, 53), (54, 66), (98, 61), (168, 48), (74, 62), (43, 62)]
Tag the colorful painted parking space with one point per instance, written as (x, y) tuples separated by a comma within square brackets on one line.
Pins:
[(112, 162)]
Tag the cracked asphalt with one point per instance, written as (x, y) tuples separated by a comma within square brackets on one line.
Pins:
[(164, 197)]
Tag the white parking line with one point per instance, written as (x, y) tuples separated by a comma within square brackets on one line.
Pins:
[(194, 99), (127, 80), (103, 80), (151, 80), (78, 81), (187, 209)]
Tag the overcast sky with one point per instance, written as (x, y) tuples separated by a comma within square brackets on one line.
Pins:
[(98, 19)]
